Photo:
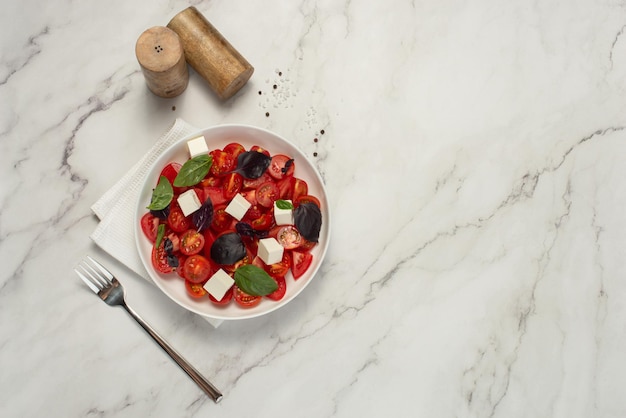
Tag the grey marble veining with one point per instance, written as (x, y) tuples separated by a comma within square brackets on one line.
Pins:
[(474, 156)]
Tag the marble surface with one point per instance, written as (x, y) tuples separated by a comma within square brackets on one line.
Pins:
[(474, 156)]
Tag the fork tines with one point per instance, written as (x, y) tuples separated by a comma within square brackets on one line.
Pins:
[(94, 274)]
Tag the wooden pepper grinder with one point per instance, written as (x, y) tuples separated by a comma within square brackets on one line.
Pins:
[(161, 56), (210, 54)]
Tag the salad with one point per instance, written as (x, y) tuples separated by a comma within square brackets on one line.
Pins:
[(232, 223)]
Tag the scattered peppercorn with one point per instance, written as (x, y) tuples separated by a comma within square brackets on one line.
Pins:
[(275, 86), (280, 73), (267, 114), (173, 108), (315, 154), (322, 132), (314, 139), (260, 92)]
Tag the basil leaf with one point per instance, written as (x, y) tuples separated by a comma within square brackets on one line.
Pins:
[(252, 164), (308, 219), (160, 235), (172, 261), (254, 280), (202, 217), (193, 171), (246, 230), (228, 249), (161, 213), (162, 195), (283, 204)]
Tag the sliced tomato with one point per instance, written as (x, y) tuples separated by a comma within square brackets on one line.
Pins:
[(254, 183), (267, 193), (300, 262), (195, 290), (232, 185), (281, 166), (230, 268), (254, 212), (300, 188), (289, 237), (263, 222), (306, 245), (245, 300), (279, 293), (285, 187), (260, 149), (223, 162), (215, 193), (191, 242), (209, 237), (250, 196), (307, 199), (181, 262), (149, 226), (175, 241), (197, 269), (170, 172), (211, 181), (222, 220), (281, 268), (177, 220), (228, 296), (256, 261), (234, 149), (159, 260)]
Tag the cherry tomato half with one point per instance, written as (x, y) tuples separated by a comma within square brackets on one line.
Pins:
[(279, 293), (289, 237), (223, 162), (191, 242), (195, 290), (149, 226), (170, 172), (159, 260), (281, 166), (197, 269), (177, 220), (245, 300), (281, 268), (232, 185), (234, 149), (300, 188), (307, 199), (228, 296), (267, 193)]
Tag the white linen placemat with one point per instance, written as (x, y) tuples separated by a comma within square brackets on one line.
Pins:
[(116, 208)]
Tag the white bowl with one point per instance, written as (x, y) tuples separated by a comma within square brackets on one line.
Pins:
[(218, 137)]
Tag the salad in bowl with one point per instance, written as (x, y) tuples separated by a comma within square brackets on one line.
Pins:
[(232, 222)]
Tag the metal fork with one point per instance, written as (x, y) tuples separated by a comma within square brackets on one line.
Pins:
[(110, 290)]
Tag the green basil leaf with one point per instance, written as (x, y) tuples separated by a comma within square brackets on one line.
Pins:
[(193, 171), (160, 235), (283, 204), (254, 280), (162, 195)]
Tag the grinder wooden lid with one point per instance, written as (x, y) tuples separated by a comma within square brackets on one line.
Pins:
[(161, 56)]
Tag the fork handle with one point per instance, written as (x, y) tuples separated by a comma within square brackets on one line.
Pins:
[(195, 375)]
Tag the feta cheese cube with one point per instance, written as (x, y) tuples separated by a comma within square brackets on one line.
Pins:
[(283, 216), (197, 146), (218, 284), (270, 251), (238, 207), (189, 202)]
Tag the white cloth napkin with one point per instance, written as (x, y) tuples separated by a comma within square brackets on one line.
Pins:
[(116, 208)]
